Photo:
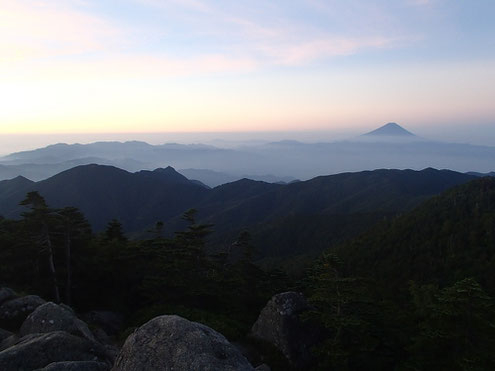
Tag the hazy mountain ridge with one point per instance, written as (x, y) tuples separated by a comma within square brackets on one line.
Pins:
[(491, 173), (274, 161), (216, 178)]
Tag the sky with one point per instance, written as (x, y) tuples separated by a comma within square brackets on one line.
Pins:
[(134, 66)]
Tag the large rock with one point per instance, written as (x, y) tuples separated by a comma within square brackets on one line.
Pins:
[(174, 343), (279, 324), (6, 294), (51, 317), (36, 351), (76, 366), (8, 342), (14, 312)]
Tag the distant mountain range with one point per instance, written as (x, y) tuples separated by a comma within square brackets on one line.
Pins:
[(216, 178), (390, 146), (325, 209)]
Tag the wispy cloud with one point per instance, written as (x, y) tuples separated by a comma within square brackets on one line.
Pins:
[(40, 29), (57, 40), (311, 50), (236, 40), (272, 39), (139, 61)]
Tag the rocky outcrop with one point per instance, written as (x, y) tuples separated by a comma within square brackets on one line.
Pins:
[(174, 343), (13, 312), (50, 337), (76, 366), (36, 351), (50, 317), (279, 324)]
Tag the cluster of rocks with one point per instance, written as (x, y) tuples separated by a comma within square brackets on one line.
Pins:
[(40, 335)]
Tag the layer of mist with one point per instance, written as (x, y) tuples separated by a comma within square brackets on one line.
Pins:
[(215, 162)]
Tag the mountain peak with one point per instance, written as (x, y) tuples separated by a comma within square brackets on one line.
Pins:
[(18, 181), (392, 130), (168, 174)]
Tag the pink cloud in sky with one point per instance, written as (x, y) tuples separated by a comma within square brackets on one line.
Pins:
[(31, 30), (40, 29), (276, 41), (303, 52)]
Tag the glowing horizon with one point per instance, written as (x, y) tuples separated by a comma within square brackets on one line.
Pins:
[(74, 66)]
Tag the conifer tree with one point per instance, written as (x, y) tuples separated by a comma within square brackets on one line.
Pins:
[(40, 219)]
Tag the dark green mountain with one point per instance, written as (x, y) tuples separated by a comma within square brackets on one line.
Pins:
[(104, 192), (298, 218), (310, 216), (446, 239), (491, 173), (10, 191)]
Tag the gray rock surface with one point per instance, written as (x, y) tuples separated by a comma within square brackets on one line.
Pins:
[(263, 367), (76, 366), (14, 312), (6, 294), (174, 343), (51, 317), (36, 351), (8, 342), (279, 325)]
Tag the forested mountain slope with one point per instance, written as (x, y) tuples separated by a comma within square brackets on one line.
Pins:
[(307, 217), (103, 193), (284, 219), (415, 292), (446, 239)]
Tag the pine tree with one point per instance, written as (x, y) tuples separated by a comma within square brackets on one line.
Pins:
[(40, 219), (457, 331)]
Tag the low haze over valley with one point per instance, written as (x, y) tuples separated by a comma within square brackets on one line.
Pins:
[(390, 146)]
